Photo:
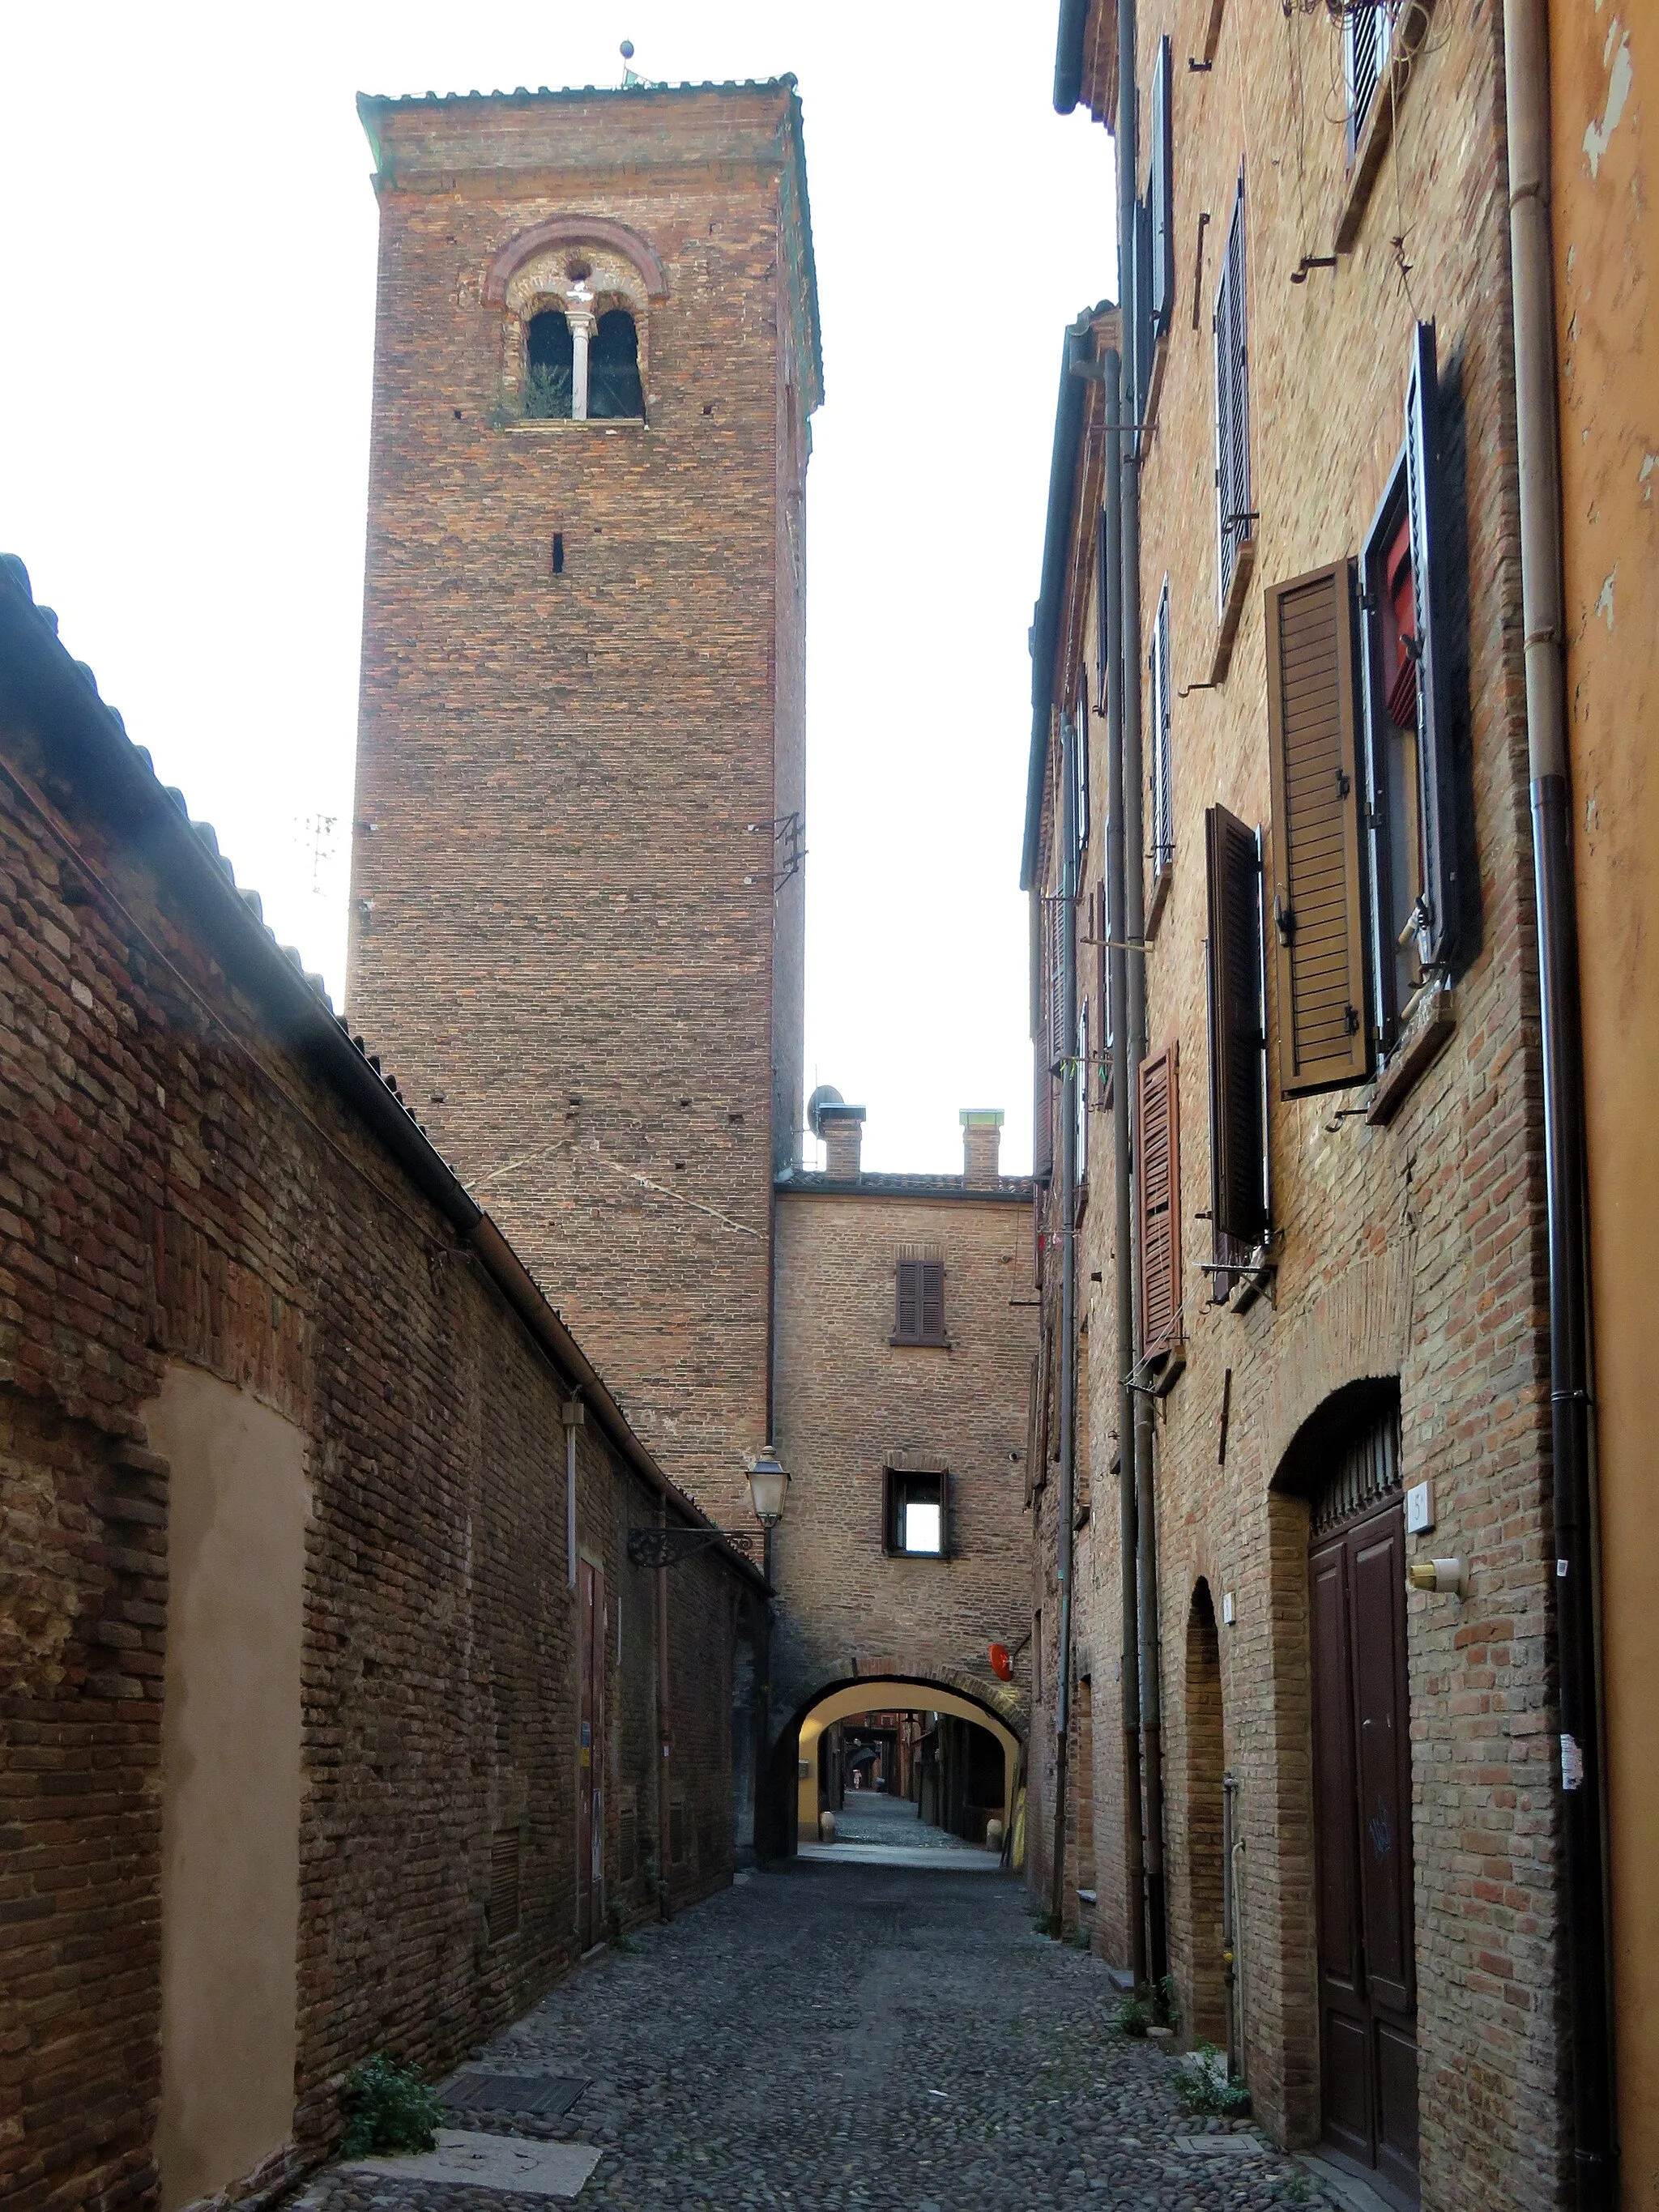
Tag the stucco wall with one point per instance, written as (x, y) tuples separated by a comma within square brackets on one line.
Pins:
[(1602, 62), (230, 1781)]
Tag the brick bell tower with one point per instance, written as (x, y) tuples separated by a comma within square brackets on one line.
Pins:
[(577, 910)]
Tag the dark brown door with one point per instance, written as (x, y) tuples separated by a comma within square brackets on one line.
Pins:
[(590, 1761), (1363, 1845)]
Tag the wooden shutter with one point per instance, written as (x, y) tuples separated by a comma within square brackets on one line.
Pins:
[(1142, 334), (1102, 615), (1058, 1043), (1042, 1118), (1158, 1183), (909, 1298), (503, 1907), (1080, 745), (1238, 1044), (1364, 51), (1033, 1426), (931, 1272), (1434, 751), (1232, 411), (1159, 191), (1324, 1041)]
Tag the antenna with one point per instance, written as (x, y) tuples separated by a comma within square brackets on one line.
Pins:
[(626, 50)]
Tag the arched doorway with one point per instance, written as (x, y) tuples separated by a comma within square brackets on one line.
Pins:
[(1206, 1870), (977, 1782), (1345, 1462)]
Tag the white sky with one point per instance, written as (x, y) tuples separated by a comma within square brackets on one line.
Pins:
[(187, 267)]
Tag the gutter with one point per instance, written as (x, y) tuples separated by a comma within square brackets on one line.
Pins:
[(1589, 1971), (42, 689), (1045, 619), (1072, 1073)]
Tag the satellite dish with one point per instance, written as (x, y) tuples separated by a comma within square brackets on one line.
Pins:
[(825, 1095)]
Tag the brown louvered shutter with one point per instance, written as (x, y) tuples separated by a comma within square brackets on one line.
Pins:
[(931, 1272), (909, 1298), (1324, 1040), (1238, 1201), (1158, 1190)]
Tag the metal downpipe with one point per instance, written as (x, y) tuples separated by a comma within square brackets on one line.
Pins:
[(1111, 585), (1134, 932), (1068, 1300)]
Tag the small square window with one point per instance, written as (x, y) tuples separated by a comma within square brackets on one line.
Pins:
[(916, 1514)]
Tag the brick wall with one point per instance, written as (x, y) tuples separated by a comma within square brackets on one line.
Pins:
[(848, 1400), (561, 917), (1412, 1250), (183, 1184)]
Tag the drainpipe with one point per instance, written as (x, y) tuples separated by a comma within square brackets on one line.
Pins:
[(1134, 919), (1526, 54), (1068, 1084), (1111, 585)]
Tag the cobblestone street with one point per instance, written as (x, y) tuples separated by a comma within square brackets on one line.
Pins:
[(856, 2036)]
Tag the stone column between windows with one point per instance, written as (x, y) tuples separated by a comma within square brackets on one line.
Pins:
[(578, 313)]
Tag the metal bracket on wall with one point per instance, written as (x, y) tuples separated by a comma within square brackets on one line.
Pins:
[(789, 848), (666, 1548)]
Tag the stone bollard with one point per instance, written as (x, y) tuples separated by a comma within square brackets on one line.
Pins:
[(994, 1835), (826, 1827)]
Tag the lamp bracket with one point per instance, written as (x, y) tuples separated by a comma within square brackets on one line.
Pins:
[(661, 1549)]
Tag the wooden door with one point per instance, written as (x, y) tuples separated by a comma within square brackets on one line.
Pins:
[(1363, 1844), (590, 1760)]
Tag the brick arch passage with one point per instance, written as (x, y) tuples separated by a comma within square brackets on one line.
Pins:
[(969, 1699)]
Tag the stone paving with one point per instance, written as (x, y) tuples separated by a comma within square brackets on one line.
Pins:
[(868, 1817), (858, 2038)]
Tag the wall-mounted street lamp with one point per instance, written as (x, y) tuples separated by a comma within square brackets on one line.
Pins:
[(666, 1546)]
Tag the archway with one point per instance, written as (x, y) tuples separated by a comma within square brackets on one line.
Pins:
[(1205, 1869), (886, 1693)]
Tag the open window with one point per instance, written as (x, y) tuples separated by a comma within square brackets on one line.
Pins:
[(549, 357), (916, 1513), (1237, 991), (1407, 751), (613, 368)]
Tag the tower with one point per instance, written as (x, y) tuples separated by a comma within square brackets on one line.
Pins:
[(577, 911)]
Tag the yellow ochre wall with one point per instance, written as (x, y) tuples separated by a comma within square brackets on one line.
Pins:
[(1604, 58), (879, 1697)]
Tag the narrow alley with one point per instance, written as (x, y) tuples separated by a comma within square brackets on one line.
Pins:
[(854, 2036)]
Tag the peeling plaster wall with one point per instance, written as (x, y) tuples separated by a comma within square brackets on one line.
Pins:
[(1604, 58)]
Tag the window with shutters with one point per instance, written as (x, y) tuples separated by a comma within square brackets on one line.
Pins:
[(1237, 984), (1319, 945), (1235, 517), (916, 1513), (1412, 846), (1160, 765), (1367, 32), (1058, 911), (1160, 189), (920, 1317), (1157, 1198)]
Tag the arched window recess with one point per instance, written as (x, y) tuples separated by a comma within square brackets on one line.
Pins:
[(575, 339)]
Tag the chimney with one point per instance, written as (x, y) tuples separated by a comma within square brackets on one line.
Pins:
[(981, 1144), (841, 1128)]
